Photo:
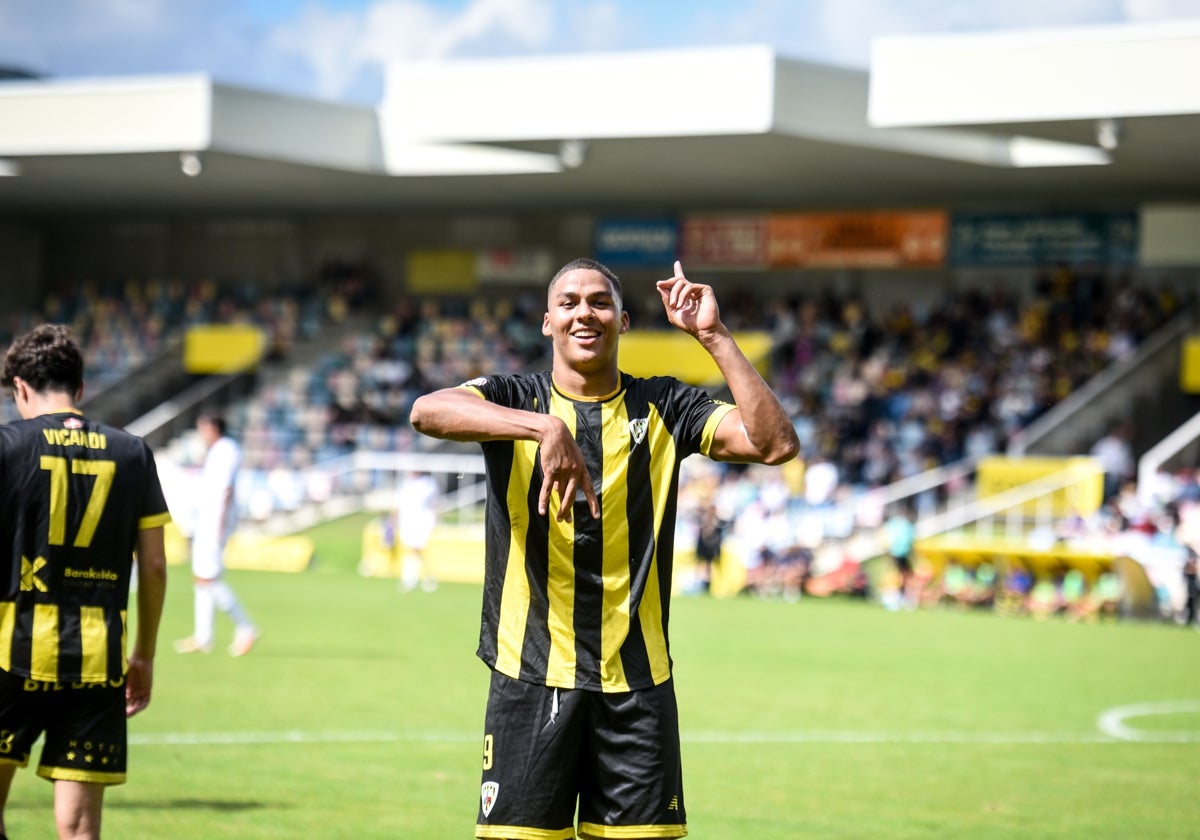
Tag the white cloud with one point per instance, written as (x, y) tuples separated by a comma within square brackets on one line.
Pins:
[(326, 43), (337, 50), (600, 25), (1148, 10), (347, 48)]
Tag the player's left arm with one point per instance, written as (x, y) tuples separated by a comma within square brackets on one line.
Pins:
[(151, 593), (759, 429)]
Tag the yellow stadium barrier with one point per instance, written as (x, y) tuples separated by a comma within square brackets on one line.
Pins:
[(1040, 562), (247, 551), (1083, 496), (222, 348), (454, 553), (650, 353)]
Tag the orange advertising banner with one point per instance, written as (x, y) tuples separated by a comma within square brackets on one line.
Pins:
[(723, 241), (868, 239)]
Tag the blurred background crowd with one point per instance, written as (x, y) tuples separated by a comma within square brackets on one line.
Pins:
[(875, 398)]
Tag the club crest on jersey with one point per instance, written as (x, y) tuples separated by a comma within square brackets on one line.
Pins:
[(73, 423), (637, 428), (488, 792)]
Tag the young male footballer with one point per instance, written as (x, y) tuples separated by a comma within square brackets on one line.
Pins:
[(583, 473), (77, 501)]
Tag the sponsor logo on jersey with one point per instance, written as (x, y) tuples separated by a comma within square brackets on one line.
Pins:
[(73, 423), (477, 382), (91, 574)]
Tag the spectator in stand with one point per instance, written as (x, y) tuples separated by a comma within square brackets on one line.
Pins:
[(1191, 587), (710, 536), (820, 481), (900, 533), (1103, 600), (1114, 451)]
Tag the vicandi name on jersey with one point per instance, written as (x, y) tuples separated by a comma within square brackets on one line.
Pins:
[(75, 437)]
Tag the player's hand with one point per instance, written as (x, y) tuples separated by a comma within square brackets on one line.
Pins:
[(564, 471), (692, 307), (138, 680)]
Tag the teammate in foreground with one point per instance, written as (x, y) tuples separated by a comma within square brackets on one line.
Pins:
[(583, 473), (77, 500)]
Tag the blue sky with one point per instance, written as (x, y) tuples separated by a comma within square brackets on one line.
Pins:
[(336, 49)]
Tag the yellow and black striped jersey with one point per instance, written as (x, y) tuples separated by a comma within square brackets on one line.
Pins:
[(585, 604), (73, 496)]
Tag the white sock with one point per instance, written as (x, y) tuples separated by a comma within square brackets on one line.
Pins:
[(227, 602), (410, 571), (203, 614)]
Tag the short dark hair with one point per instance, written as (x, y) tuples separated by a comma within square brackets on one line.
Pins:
[(590, 265), (216, 421), (47, 358)]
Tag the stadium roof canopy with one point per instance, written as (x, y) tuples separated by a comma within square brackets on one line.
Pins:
[(1103, 116)]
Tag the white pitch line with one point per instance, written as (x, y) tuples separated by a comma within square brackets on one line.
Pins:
[(884, 737), (1112, 722), (296, 736), (293, 736)]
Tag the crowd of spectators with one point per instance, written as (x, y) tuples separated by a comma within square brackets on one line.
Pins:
[(772, 543), (889, 396), (121, 327), (876, 396)]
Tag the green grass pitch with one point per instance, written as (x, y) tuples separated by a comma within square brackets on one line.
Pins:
[(359, 716)]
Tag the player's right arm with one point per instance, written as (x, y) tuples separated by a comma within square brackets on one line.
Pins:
[(151, 593), (464, 415)]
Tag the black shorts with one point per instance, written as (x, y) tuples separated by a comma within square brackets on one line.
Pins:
[(84, 726), (615, 755)]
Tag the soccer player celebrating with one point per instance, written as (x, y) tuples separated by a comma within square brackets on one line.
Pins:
[(583, 473), (77, 500)]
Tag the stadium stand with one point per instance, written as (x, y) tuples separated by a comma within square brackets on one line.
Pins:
[(936, 365)]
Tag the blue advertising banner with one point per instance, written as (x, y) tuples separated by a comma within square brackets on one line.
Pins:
[(649, 243), (1043, 239)]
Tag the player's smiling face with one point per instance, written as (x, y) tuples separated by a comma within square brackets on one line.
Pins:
[(584, 318)]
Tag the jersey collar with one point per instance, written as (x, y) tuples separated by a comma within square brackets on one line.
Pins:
[(601, 398)]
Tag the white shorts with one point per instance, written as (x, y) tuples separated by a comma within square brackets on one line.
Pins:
[(207, 557), (415, 529)]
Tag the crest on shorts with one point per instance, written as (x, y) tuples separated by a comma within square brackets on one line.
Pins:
[(488, 792), (637, 428)]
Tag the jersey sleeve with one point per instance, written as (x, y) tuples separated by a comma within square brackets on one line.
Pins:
[(696, 415), (508, 391)]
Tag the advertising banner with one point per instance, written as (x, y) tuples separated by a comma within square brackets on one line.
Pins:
[(642, 243), (735, 241), (865, 239), (222, 348), (1103, 239), (514, 265), (1082, 480), (441, 272)]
